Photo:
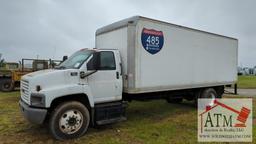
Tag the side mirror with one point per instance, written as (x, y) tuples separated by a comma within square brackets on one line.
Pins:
[(82, 74), (64, 58), (86, 74)]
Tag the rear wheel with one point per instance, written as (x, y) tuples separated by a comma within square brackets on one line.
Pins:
[(208, 93), (69, 120), (6, 85)]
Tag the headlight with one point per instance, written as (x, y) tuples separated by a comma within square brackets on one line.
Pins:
[(37, 100)]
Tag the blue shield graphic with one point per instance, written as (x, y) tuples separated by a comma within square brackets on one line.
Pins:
[(152, 40)]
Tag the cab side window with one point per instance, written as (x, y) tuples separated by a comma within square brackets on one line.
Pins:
[(107, 61)]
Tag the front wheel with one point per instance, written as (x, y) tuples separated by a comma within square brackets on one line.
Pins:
[(69, 120)]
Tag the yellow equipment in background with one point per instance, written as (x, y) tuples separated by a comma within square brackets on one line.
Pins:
[(11, 73)]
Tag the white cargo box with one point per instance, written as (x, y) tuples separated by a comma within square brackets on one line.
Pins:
[(159, 56)]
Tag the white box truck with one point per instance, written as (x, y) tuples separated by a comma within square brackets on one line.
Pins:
[(135, 59)]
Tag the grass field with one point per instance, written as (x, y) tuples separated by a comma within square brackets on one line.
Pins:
[(148, 122), (246, 82)]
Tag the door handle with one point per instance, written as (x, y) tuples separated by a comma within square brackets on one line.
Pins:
[(117, 75)]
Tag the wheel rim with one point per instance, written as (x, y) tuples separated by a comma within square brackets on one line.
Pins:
[(212, 97), (71, 121)]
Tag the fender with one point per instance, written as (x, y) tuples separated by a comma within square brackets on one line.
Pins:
[(66, 90)]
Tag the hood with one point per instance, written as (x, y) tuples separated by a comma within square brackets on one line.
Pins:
[(41, 72), (50, 78)]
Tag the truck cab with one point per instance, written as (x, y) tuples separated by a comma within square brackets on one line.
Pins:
[(85, 89)]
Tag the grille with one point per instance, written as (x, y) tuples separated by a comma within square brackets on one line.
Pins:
[(25, 91)]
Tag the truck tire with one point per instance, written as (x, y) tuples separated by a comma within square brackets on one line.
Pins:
[(205, 93), (174, 100), (69, 120), (6, 85), (209, 93)]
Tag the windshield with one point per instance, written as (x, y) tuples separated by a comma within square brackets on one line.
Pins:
[(76, 60)]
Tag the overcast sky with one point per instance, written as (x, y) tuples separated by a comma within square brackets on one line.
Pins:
[(53, 28)]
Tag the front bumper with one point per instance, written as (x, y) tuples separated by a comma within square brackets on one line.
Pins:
[(33, 115)]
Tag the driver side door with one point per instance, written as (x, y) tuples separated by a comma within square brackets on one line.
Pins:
[(106, 83)]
